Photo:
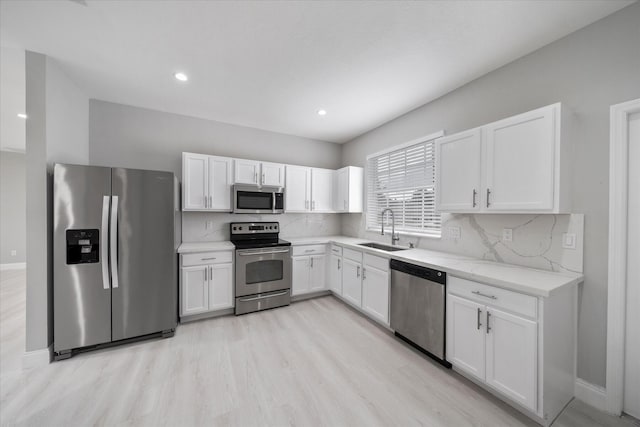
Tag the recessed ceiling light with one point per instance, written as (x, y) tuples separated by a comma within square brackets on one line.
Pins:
[(22, 115), (322, 112), (181, 76)]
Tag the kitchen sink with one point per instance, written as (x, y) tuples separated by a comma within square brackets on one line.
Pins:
[(382, 247)]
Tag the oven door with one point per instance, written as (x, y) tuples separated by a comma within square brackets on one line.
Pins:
[(262, 270)]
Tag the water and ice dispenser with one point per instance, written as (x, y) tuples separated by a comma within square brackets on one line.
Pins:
[(83, 246)]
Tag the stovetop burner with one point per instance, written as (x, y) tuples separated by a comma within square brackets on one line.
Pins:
[(246, 235)]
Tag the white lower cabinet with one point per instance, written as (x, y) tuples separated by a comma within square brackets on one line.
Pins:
[(520, 346), (375, 293), (335, 274), (206, 282), (308, 269), (352, 281)]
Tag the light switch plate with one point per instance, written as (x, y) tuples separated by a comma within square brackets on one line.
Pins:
[(454, 233), (14, 252), (507, 234), (208, 225), (569, 240)]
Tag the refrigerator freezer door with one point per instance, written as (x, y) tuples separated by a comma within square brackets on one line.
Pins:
[(145, 300), (81, 289)]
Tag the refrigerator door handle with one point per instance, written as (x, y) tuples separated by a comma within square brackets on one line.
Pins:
[(114, 241), (104, 244)]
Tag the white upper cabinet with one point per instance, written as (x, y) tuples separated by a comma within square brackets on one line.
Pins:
[(195, 180), (520, 166), (253, 172), (348, 190), (272, 174), (246, 172), (458, 172), (321, 190), (298, 193), (206, 182), (517, 165)]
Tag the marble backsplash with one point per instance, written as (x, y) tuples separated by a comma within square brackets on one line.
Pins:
[(536, 243), (194, 225)]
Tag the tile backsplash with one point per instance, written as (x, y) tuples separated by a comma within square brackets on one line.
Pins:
[(194, 225), (536, 240)]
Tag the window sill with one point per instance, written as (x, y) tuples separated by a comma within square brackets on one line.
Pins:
[(409, 233)]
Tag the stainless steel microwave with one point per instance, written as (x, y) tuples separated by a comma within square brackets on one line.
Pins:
[(254, 199)]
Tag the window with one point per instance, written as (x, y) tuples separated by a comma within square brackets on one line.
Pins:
[(403, 179)]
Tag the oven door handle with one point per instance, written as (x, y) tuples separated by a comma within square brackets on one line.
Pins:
[(279, 294), (262, 253)]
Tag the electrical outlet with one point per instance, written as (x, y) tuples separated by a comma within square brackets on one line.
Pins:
[(208, 225), (14, 252), (454, 233), (507, 234), (569, 240)]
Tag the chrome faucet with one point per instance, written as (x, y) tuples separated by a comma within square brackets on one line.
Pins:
[(394, 236)]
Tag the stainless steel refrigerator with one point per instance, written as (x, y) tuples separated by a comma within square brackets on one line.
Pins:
[(115, 272)]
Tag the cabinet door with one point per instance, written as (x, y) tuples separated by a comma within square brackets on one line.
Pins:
[(458, 160), (300, 275), (512, 356), (317, 273), (465, 335), (194, 290), (335, 274), (352, 281), (298, 192), (321, 190), (341, 190), (220, 182), (220, 286), (520, 162), (272, 174), (195, 181), (375, 293), (246, 171)]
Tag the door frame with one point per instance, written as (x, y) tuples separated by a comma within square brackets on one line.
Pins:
[(617, 280)]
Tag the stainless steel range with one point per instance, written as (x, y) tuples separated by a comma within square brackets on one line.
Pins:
[(263, 266)]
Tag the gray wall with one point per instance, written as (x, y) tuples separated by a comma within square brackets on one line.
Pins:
[(588, 71), (56, 131), (126, 136), (13, 224)]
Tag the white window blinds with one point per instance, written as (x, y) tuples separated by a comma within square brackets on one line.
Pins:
[(403, 180)]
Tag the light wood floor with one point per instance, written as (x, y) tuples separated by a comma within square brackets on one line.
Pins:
[(316, 362)]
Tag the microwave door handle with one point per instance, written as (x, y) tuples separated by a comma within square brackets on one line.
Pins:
[(273, 201)]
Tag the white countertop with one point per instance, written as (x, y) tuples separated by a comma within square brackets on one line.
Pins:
[(513, 277), (521, 279), (192, 247)]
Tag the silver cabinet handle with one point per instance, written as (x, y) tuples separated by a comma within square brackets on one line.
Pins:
[(309, 250), (488, 194), (262, 296), (306, 204), (311, 262), (263, 180), (255, 177), (205, 273), (488, 327), (207, 259), (478, 320), (210, 202), (475, 193), (313, 205), (210, 273), (364, 273), (484, 295), (104, 244), (338, 264), (358, 271), (114, 242), (206, 202)]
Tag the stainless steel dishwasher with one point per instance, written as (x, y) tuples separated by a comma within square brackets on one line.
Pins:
[(418, 307)]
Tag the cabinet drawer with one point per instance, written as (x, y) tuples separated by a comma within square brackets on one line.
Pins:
[(492, 296), (376, 261), (352, 255), (207, 258), (336, 250), (308, 250)]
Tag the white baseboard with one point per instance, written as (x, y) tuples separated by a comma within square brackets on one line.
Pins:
[(13, 266), (36, 358), (591, 394)]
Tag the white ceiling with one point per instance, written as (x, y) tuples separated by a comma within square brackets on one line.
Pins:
[(273, 64)]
